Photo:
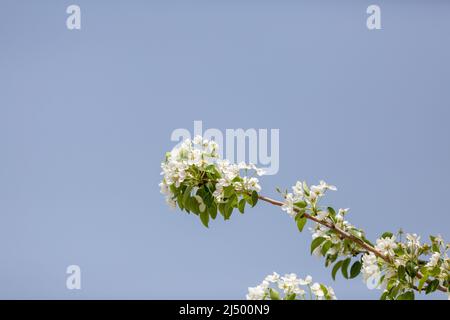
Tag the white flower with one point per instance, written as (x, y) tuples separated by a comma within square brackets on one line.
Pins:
[(434, 259), (331, 293), (256, 293), (288, 205), (317, 290), (289, 282), (386, 246), (369, 266), (306, 281), (274, 277), (413, 240)]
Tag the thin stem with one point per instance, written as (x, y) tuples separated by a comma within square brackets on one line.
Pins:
[(343, 234)]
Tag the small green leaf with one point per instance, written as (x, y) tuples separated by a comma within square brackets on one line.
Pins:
[(411, 269), (387, 235), (408, 295), (336, 269), (204, 217), (301, 223), (212, 210), (290, 296), (254, 198), (301, 204), (432, 286), (316, 242), (325, 247), (344, 268), (355, 269), (274, 295), (186, 196), (241, 206), (422, 282), (401, 271)]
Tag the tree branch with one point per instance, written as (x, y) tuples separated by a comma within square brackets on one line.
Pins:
[(343, 234)]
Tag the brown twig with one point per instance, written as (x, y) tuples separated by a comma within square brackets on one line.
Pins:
[(343, 234)]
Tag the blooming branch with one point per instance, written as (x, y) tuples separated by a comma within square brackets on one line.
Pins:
[(197, 181)]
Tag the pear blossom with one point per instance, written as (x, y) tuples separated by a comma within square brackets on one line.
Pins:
[(386, 245)]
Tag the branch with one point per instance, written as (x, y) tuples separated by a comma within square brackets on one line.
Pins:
[(344, 234)]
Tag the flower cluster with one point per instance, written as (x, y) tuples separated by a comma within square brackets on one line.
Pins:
[(291, 287), (396, 266), (405, 270), (198, 181)]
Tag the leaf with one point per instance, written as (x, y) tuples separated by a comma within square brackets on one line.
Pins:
[(344, 268), (222, 209), (355, 269), (274, 295), (422, 282), (241, 206), (432, 286), (408, 295), (325, 247), (301, 204), (331, 211), (204, 217), (212, 210), (186, 196), (228, 211), (387, 235), (401, 272), (411, 269), (290, 296), (336, 269), (301, 223), (254, 198), (316, 242)]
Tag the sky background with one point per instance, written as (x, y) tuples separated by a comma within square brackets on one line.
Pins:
[(86, 117)]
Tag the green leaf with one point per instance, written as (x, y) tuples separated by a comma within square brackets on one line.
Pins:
[(331, 211), (290, 296), (401, 271), (254, 198), (228, 210), (387, 235), (301, 223), (422, 282), (204, 217), (241, 206), (274, 295), (316, 242), (301, 204), (222, 209), (336, 269), (325, 247), (411, 269), (186, 196), (432, 286), (355, 269), (344, 268), (408, 295), (212, 210)]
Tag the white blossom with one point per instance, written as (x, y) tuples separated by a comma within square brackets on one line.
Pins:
[(386, 245)]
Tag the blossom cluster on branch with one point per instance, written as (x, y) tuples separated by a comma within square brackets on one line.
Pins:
[(398, 267), (197, 181), (290, 287)]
